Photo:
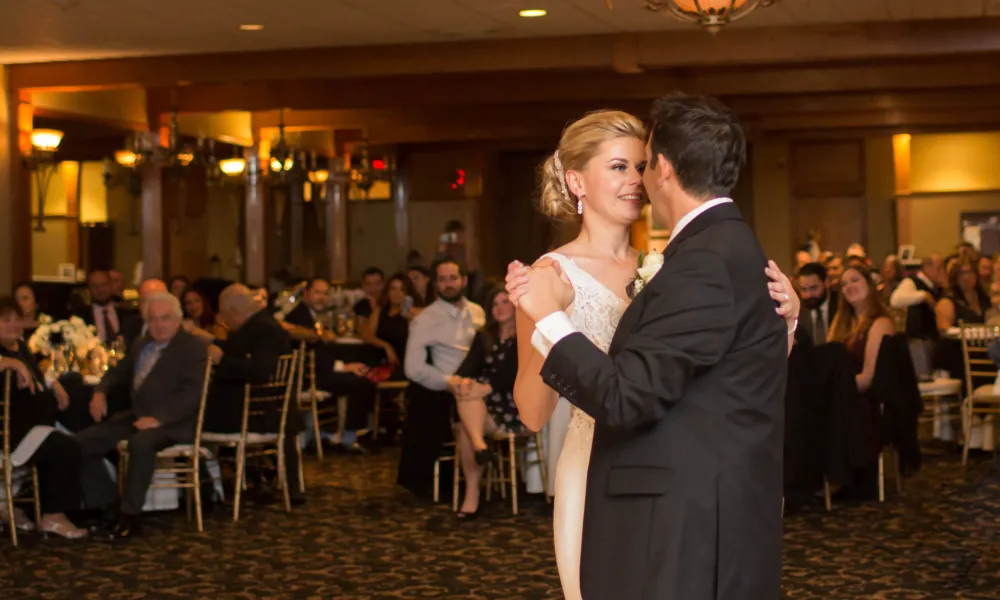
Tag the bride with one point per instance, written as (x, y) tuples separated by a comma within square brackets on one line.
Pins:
[(596, 173)]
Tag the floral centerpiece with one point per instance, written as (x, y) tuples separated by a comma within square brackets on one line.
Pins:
[(73, 332)]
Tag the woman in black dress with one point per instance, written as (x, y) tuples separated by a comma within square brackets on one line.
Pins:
[(32, 404), (389, 325), (484, 391)]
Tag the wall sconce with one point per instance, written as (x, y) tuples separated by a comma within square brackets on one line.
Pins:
[(41, 161), (123, 172)]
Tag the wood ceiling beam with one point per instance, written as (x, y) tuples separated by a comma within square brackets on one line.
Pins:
[(623, 52), (587, 88)]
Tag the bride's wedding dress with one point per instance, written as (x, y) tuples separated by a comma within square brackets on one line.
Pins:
[(596, 312)]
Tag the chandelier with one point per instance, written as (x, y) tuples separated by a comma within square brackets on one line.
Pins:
[(710, 14)]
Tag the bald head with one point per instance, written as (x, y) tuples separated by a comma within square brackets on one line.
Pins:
[(148, 289), (237, 304)]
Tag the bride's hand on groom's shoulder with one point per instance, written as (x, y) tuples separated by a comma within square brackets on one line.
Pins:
[(783, 293)]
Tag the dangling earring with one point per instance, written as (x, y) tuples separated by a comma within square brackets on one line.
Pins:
[(579, 207)]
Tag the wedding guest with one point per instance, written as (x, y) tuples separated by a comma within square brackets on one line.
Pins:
[(802, 257), (134, 325), (372, 282), (861, 323), (117, 280), (892, 276), (484, 391), (35, 404), (389, 326), (440, 338), (819, 302), (834, 264), (102, 312), (965, 300), (250, 356), (178, 285), (919, 295), (304, 323), (197, 309), (984, 268), (27, 303), (420, 277), (165, 373)]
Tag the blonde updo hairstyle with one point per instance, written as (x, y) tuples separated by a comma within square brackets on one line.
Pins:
[(579, 143)]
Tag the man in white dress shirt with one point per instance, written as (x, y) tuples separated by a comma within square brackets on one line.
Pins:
[(440, 338)]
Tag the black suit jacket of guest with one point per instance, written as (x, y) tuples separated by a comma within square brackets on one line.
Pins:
[(171, 392), (250, 355), (685, 480), (301, 316)]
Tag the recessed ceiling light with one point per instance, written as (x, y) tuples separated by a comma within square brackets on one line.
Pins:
[(530, 13), (251, 27)]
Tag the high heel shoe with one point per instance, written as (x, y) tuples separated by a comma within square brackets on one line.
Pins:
[(483, 457), (467, 516), (64, 530), (21, 520)]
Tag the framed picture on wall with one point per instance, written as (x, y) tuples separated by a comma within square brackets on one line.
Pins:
[(982, 230)]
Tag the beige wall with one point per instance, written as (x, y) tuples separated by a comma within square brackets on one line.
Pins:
[(949, 174), (223, 215), (6, 186), (771, 209), (93, 194), (954, 162), (50, 248), (934, 220), (880, 188)]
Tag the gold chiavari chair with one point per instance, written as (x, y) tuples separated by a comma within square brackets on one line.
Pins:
[(183, 461), (980, 373), (259, 401), (9, 470), (499, 474), (313, 400)]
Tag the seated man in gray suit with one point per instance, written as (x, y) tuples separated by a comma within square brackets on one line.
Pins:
[(165, 372)]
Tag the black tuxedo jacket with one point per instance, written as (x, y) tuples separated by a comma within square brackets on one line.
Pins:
[(172, 391), (685, 481)]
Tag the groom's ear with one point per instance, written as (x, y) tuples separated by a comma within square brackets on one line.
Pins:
[(664, 169)]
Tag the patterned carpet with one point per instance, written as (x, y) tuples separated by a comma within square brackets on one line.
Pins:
[(360, 537)]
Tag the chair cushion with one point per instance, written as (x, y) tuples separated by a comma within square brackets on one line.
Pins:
[(232, 438), (941, 387), (985, 392), (319, 396), (175, 451)]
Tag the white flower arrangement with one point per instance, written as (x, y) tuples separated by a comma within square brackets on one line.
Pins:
[(75, 332)]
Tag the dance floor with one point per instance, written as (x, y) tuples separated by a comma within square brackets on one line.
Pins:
[(361, 537)]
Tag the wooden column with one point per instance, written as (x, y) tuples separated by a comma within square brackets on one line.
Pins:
[(296, 227), (256, 222), (71, 173), (336, 231), (15, 183), (401, 202), (154, 256)]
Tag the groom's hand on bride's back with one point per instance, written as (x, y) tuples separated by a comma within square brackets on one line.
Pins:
[(539, 290)]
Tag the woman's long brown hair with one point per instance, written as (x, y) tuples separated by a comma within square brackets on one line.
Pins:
[(847, 324)]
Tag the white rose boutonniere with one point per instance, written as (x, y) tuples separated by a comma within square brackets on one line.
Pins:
[(649, 265)]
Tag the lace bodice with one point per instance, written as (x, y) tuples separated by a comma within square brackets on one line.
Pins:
[(596, 313)]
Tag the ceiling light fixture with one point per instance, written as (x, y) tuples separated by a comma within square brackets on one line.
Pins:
[(531, 13), (713, 15), (251, 27)]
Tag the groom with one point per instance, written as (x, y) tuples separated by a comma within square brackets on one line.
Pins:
[(685, 480)]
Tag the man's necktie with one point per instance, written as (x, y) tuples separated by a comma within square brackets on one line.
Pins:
[(109, 331), (819, 327), (147, 361)]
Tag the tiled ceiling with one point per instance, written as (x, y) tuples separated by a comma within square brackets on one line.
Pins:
[(49, 30)]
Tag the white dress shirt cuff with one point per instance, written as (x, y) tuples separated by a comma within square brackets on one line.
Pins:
[(550, 330)]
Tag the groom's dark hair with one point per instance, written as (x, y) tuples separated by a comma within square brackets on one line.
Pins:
[(703, 141)]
